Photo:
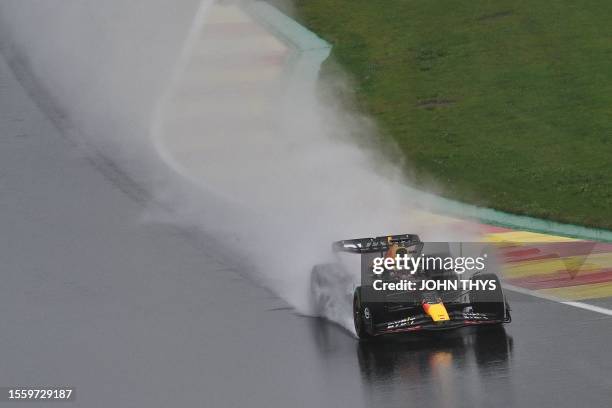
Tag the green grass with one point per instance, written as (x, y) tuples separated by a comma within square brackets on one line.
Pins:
[(504, 104)]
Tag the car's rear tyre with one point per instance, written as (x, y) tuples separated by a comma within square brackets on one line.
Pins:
[(486, 300), (362, 316)]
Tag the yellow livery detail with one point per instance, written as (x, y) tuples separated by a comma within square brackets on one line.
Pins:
[(436, 311)]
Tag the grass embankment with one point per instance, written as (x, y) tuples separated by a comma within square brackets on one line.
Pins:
[(507, 105)]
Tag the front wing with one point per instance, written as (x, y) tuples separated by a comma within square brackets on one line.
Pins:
[(417, 321)]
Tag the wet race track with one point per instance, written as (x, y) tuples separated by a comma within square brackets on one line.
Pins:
[(137, 314), (537, 360)]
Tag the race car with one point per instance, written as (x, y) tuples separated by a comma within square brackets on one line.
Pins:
[(456, 301)]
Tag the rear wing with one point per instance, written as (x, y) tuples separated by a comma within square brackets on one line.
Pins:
[(378, 244)]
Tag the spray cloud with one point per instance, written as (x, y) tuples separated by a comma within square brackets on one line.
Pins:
[(195, 102)]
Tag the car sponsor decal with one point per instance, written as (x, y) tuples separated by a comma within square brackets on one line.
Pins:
[(475, 316), (400, 323)]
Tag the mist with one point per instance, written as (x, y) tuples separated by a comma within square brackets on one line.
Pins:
[(195, 103)]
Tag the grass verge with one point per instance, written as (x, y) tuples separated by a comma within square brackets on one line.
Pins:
[(504, 105)]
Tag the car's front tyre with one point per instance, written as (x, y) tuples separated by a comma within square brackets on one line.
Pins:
[(487, 300), (362, 316)]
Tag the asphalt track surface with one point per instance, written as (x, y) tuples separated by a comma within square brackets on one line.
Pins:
[(136, 314)]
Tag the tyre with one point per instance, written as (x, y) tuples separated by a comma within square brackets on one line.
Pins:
[(489, 301), (362, 316)]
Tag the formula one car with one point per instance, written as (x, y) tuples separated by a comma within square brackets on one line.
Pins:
[(456, 300)]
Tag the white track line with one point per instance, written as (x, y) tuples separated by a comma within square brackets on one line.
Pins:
[(581, 305)]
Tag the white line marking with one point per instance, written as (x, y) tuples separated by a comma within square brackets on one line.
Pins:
[(581, 305), (592, 308)]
